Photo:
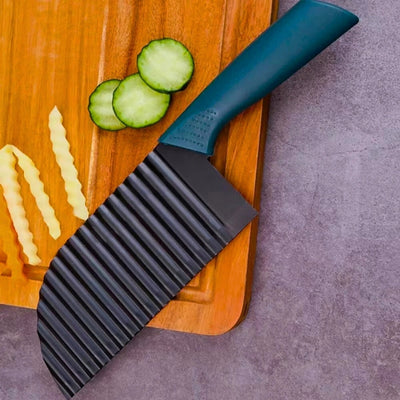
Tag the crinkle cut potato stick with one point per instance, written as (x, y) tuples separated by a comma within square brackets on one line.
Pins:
[(65, 161), (31, 174), (11, 263), (12, 195)]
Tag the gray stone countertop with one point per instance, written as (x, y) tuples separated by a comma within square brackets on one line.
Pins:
[(324, 320)]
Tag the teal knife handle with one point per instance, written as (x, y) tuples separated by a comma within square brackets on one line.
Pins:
[(290, 43)]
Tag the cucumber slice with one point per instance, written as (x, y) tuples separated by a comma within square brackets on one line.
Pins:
[(166, 65), (100, 106), (137, 105)]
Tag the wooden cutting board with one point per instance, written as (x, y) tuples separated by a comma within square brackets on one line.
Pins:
[(55, 53)]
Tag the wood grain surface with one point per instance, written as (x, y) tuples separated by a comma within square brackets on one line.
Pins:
[(55, 53)]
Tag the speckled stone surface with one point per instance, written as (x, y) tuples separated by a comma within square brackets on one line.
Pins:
[(324, 321)]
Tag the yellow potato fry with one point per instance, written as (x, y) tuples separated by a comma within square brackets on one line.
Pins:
[(12, 195), (31, 174), (65, 161)]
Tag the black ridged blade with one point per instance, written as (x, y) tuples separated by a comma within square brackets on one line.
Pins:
[(159, 228)]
